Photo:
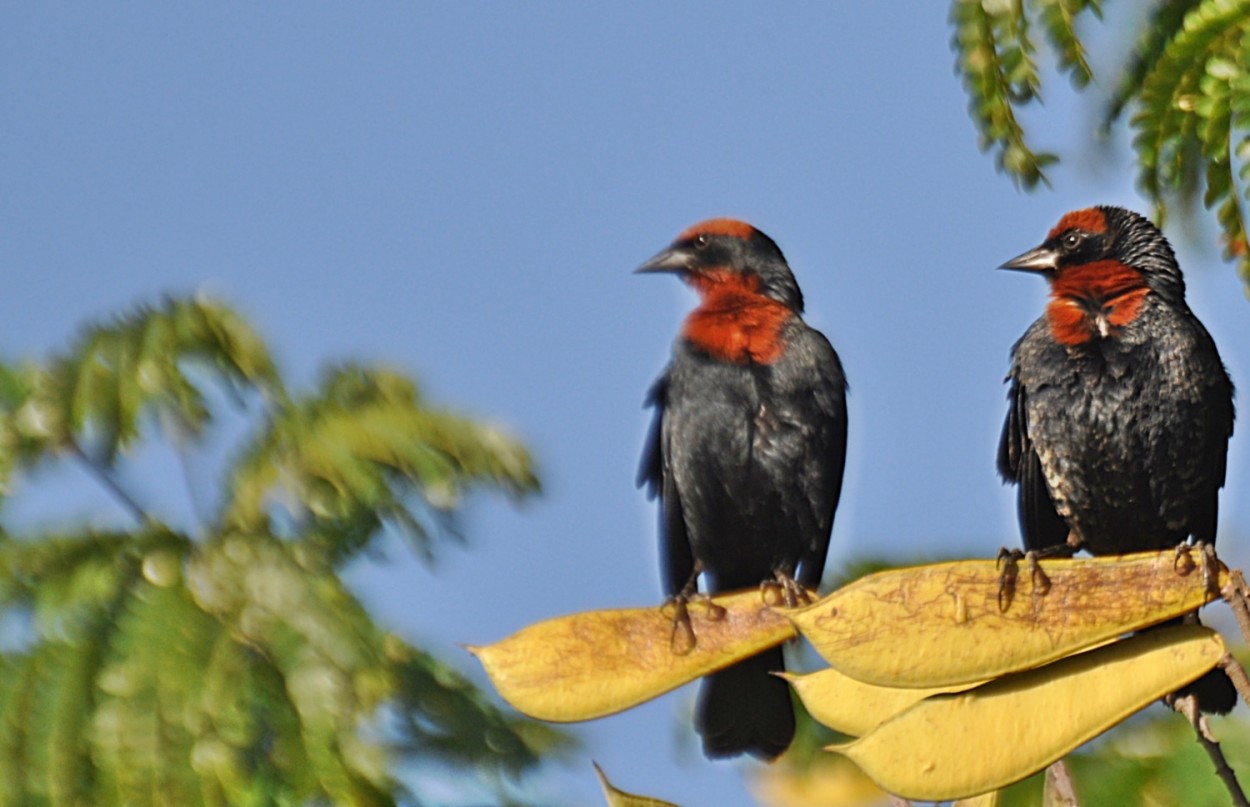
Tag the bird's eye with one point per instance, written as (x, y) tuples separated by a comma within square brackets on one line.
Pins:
[(701, 241), (1072, 240)]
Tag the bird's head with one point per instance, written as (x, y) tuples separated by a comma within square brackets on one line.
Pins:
[(1104, 245), (720, 252)]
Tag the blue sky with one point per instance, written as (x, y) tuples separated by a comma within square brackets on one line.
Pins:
[(462, 190)]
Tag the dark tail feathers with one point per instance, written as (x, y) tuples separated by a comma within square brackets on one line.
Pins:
[(1215, 691), (744, 709)]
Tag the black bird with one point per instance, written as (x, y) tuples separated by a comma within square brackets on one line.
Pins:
[(746, 453), (1120, 408)]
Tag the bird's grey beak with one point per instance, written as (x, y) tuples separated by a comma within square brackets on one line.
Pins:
[(1039, 259), (670, 260)]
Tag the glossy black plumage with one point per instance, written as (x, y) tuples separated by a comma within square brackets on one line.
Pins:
[(746, 453), (1120, 409)]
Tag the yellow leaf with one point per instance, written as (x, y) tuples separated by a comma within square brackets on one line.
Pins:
[(587, 665), (853, 707), (619, 798), (826, 781), (953, 746), (941, 625)]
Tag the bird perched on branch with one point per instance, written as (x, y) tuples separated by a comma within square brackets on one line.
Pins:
[(1120, 408), (745, 453)]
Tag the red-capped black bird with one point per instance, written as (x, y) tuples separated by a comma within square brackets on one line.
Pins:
[(746, 454), (1120, 408)]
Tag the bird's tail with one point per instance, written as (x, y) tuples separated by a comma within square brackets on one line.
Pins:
[(744, 709), (1215, 691)]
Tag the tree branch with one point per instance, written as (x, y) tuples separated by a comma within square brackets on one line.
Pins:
[(1058, 789), (102, 474), (1188, 706), (1235, 595)]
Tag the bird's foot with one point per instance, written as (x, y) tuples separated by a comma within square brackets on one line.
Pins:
[(1183, 559), (682, 639), (1183, 563), (784, 590), (1008, 563)]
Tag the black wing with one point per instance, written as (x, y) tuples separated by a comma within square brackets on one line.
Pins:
[(676, 557), (1041, 526), (1219, 413), (823, 485)]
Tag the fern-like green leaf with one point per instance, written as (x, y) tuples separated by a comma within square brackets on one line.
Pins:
[(145, 668), (1186, 83), (144, 731), (69, 580), (364, 451), (1164, 24), (444, 715), (59, 734), (1192, 99), (21, 676), (250, 750), (1059, 20), (994, 57), (99, 390), (329, 654), (24, 430)]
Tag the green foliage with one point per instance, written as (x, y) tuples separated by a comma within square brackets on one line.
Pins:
[(116, 373), (363, 451), (1192, 100), (1156, 762), (232, 666), (1187, 84), (995, 56)]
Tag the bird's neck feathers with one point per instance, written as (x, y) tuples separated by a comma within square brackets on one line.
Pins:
[(735, 322), (1094, 300)]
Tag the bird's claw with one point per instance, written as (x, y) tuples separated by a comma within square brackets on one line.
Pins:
[(683, 639), (715, 613), (784, 590), (1182, 559), (1183, 562), (1008, 563), (1038, 578)]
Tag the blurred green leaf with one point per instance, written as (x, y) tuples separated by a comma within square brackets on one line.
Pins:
[(232, 666), (1154, 761), (1186, 84), (366, 451), (97, 392), (994, 55)]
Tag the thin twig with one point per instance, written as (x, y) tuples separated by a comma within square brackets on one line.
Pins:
[(105, 478), (1058, 789), (1235, 595), (1237, 674), (1188, 706), (1211, 566), (180, 441)]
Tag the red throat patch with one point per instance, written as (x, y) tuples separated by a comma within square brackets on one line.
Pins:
[(735, 323), (1094, 299), (727, 227), (1091, 220)]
